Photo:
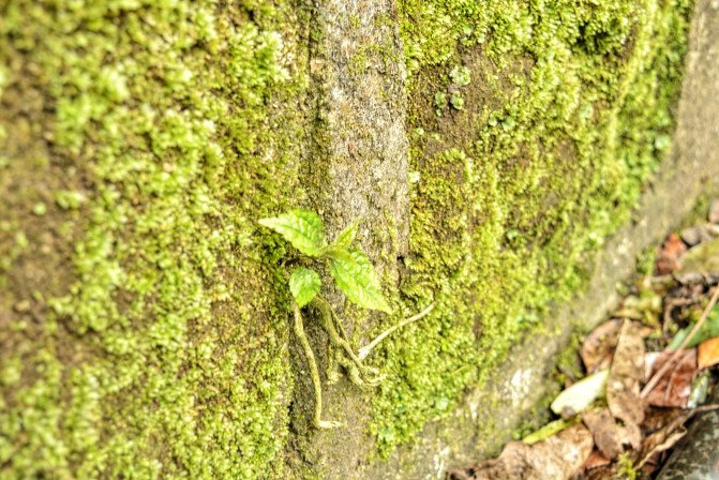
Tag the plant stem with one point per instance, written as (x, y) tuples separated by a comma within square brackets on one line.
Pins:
[(329, 322)]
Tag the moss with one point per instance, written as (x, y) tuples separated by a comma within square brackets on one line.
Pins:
[(646, 262), (165, 354), (567, 116), (627, 470), (165, 127), (569, 364), (539, 415)]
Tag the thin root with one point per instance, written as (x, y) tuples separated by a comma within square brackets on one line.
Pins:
[(314, 371), (364, 351)]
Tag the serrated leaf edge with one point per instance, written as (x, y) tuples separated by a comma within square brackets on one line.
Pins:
[(319, 250), (379, 302)]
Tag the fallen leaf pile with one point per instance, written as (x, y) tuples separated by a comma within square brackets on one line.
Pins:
[(559, 456), (648, 370)]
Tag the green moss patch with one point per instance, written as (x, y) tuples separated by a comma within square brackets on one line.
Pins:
[(565, 113), (164, 355), (145, 314)]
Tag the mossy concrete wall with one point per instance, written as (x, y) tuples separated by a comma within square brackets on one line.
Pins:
[(495, 412), (487, 149)]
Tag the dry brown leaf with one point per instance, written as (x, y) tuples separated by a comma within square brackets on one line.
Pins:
[(708, 353), (605, 472), (556, 458), (664, 438), (605, 431), (674, 387), (657, 418), (625, 374), (631, 435), (668, 257), (596, 460), (598, 347)]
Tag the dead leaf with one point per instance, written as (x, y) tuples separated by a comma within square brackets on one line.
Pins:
[(596, 460), (598, 347), (604, 472), (657, 418), (625, 374), (631, 434), (708, 353), (668, 443), (605, 432), (557, 458), (668, 257), (664, 438), (674, 387)]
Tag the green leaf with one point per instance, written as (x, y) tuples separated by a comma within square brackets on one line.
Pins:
[(304, 285), (710, 329), (356, 277), (302, 228), (345, 238), (552, 428)]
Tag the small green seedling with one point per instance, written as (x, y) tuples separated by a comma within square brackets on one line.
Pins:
[(354, 275)]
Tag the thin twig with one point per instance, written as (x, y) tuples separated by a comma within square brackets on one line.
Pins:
[(706, 408), (364, 351), (675, 356)]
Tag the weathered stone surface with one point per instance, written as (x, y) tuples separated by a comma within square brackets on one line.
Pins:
[(521, 382), (696, 456), (141, 140), (702, 259), (357, 172)]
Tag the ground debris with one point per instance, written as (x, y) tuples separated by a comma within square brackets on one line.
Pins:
[(596, 460), (669, 255), (700, 233), (625, 374), (598, 347), (608, 436), (632, 406), (559, 457), (579, 396), (664, 438), (645, 307), (674, 387)]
